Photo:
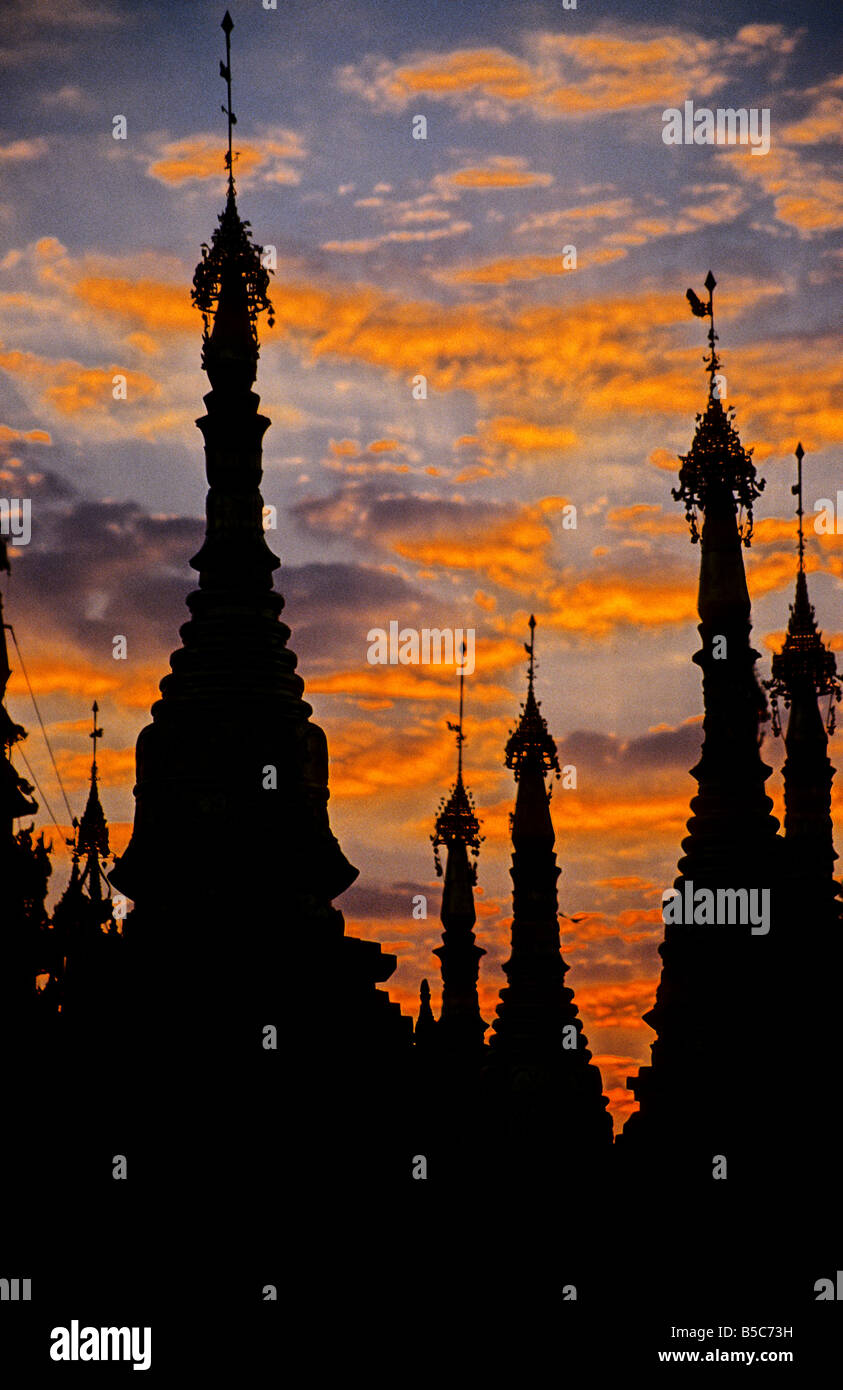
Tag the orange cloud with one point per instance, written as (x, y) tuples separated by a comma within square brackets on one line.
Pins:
[(198, 157), (510, 552), (9, 435), (71, 388), (500, 172), (805, 195), (593, 358), (511, 268), (611, 598), (19, 151), (362, 245), (583, 75), (823, 123), (647, 518), (526, 436), (116, 767), (150, 303), (67, 673)]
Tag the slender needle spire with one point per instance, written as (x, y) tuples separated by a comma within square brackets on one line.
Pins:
[(457, 728), (797, 492), (227, 25), (94, 734)]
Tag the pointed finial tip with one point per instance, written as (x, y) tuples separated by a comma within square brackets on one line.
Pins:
[(800, 452), (227, 23), (710, 282), (95, 707), (532, 620)]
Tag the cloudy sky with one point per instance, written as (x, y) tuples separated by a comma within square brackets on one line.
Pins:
[(547, 386)]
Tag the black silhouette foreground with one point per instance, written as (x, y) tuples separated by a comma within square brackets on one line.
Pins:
[(280, 1126)]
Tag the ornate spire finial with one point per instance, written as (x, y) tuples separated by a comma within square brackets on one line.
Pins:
[(231, 283), (94, 734), (804, 658), (530, 743), (717, 465), (457, 728), (227, 25), (456, 818), (707, 311), (797, 492)]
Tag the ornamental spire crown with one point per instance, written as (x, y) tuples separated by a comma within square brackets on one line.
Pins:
[(231, 283), (456, 820), (717, 466), (530, 744), (92, 836), (804, 659)]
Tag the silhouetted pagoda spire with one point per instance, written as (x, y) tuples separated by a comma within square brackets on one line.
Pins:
[(731, 827), (692, 1094), (460, 1028), (87, 938), (92, 838), (24, 863), (538, 1049), (804, 672), (232, 863)]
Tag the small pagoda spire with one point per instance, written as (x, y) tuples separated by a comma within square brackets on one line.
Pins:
[(460, 1027), (539, 1052), (805, 660), (89, 944), (530, 746), (92, 834), (803, 673), (456, 820)]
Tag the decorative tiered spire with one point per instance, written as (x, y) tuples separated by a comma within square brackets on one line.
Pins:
[(530, 746), (717, 464), (460, 1028), (232, 774), (87, 941), (539, 1051), (805, 660), (92, 835), (230, 283), (691, 1095), (456, 819), (803, 673)]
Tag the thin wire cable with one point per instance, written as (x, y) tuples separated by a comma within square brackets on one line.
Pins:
[(41, 722)]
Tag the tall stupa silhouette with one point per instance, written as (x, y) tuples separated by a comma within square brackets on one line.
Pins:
[(247, 988)]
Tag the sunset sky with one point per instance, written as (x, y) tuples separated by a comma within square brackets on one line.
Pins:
[(547, 386)]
